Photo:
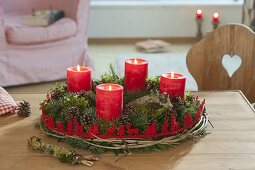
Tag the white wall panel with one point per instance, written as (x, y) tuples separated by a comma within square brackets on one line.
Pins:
[(169, 18)]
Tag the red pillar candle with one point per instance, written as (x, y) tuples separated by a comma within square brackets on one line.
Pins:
[(199, 14), (136, 72), (79, 79), (215, 17), (173, 84), (109, 101)]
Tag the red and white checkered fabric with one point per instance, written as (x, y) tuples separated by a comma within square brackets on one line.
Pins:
[(7, 104)]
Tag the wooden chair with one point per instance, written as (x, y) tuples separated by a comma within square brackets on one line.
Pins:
[(232, 45)]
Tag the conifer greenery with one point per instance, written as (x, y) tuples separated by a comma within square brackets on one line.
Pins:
[(140, 109)]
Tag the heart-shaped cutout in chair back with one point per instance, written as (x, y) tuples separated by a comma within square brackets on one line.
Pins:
[(231, 63)]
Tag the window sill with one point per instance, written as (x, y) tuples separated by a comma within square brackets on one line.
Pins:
[(99, 3)]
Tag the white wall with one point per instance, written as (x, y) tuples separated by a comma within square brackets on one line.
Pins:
[(167, 18)]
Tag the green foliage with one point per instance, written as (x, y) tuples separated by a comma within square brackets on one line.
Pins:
[(66, 107), (190, 106), (90, 96), (153, 83), (139, 118), (110, 77), (103, 125), (65, 155), (129, 96)]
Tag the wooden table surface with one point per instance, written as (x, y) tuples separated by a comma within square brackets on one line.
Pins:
[(229, 146)]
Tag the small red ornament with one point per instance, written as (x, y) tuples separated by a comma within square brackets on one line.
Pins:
[(60, 126), (48, 97), (174, 124), (75, 122), (165, 127), (187, 120), (96, 129), (121, 131), (51, 122), (69, 126), (111, 130), (79, 129), (132, 132), (148, 131), (153, 128), (90, 129)]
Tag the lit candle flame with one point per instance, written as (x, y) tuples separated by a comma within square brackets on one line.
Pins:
[(172, 74), (78, 68), (199, 11), (216, 15), (135, 61), (110, 87)]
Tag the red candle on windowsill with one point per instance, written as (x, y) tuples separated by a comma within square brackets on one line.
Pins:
[(109, 101), (215, 17), (79, 79), (199, 14), (136, 72), (173, 84)]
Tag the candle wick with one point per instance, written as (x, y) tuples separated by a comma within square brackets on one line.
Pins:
[(110, 87), (78, 68), (172, 75)]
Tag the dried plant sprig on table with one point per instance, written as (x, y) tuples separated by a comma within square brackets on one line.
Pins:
[(63, 154)]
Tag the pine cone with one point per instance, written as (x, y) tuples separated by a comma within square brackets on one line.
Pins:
[(90, 96), (83, 93), (123, 119), (172, 113), (59, 92), (163, 97), (177, 103), (86, 119), (71, 112), (23, 109), (56, 95), (151, 86), (127, 108)]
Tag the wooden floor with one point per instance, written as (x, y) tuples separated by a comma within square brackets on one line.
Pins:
[(104, 53)]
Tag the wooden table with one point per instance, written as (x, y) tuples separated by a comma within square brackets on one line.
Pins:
[(231, 144)]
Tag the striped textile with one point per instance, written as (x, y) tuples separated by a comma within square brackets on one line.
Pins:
[(7, 104)]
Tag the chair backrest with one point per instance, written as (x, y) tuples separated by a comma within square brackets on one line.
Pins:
[(229, 46), (69, 6)]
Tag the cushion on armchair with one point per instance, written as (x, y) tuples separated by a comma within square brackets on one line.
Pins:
[(7, 104), (20, 34)]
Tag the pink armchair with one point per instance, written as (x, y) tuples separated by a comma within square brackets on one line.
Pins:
[(39, 54)]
